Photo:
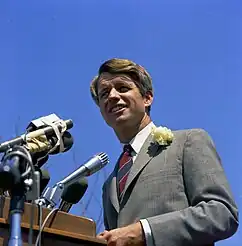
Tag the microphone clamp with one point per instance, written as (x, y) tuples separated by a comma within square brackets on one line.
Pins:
[(52, 195)]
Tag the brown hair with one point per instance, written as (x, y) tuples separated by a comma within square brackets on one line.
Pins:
[(141, 77)]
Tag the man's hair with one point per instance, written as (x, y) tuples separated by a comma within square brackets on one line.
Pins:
[(140, 76)]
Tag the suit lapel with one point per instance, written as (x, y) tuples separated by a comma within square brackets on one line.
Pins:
[(113, 189), (113, 192), (147, 151)]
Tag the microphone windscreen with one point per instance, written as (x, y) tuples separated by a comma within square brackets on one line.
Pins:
[(67, 141), (75, 191)]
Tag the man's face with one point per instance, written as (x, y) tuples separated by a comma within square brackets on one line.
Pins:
[(120, 101)]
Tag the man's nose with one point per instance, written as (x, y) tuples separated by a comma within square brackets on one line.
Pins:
[(113, 94)]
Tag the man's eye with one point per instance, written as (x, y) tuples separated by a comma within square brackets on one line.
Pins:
[(103, 94), (123, 89)]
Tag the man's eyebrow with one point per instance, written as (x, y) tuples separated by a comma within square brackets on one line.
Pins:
[(103, 89), (125, 78), (119, 79)]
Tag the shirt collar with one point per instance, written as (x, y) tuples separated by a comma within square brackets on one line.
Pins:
[(140, 138)]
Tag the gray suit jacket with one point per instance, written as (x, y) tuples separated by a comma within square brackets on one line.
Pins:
[(180, 189)]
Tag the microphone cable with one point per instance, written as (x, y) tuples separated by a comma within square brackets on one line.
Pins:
[(41, 227)]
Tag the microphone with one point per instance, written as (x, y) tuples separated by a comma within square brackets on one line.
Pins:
[(72, 194), (40, 158), (52, 195), (47, 130), (44, 179), (93, 165)]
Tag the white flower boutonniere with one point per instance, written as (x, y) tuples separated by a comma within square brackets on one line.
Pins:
[(162, 135)]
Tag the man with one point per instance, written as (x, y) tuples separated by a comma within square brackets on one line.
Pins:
[(167, 188)]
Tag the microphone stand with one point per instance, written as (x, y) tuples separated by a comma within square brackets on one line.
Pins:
[(16, 210), (17, 179)]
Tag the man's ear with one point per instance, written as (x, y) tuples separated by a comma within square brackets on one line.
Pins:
[(148, 98)]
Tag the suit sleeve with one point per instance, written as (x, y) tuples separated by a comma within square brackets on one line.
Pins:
[(212, 214)]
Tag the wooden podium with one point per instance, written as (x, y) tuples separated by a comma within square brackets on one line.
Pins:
[(62, 229)]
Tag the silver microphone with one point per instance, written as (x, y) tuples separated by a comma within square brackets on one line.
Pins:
[(93, 165), (52, 196)]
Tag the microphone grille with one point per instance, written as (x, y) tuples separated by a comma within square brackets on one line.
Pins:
[(103, 158)]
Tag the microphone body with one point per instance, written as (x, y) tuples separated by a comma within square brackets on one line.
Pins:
[(93, 165), (52, 196), (48, 130)]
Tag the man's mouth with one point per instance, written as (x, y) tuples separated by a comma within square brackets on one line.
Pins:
[(117, 108)]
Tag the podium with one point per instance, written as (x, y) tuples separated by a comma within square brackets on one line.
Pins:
[(62, 229)]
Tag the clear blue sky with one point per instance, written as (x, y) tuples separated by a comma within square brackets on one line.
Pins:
[(50, 50)]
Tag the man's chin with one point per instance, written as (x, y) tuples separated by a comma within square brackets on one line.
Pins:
[(120, 121)]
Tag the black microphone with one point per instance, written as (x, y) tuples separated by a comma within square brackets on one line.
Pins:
[(40, 158), (11, 176), (67, 139), (44, 179), (47, 131), (72, 194)]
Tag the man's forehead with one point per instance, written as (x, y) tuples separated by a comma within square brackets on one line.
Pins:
[(107, 78)]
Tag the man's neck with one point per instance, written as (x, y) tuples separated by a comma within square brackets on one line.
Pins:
[(128, 133)]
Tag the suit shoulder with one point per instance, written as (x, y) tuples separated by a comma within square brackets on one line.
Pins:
[(191, 131), (194, 134)]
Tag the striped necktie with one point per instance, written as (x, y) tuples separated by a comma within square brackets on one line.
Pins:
[(124, 164)]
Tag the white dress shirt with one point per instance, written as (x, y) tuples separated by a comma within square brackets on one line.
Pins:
[(136, 143)]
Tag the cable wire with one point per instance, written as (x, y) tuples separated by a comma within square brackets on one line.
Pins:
[(40, 222), (43, 225)]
